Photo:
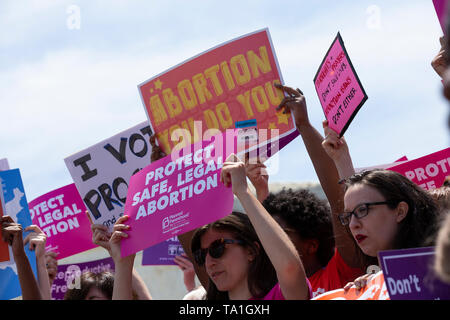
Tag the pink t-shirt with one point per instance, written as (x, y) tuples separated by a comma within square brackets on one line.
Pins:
[(276, 294)]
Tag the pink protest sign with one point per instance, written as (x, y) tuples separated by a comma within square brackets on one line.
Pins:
[(179, 193), (428, 172), (61, 214), (338, 87), (441, 9)]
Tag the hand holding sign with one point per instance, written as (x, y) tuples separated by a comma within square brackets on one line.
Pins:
[(101, 236), (12, 234), (115, 241), (36, 239), (337, 149), (296, 103), (438, 63), (233, 174)]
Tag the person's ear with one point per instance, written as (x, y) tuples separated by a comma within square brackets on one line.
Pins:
[(312, 246), (252, 253), (402, 211)]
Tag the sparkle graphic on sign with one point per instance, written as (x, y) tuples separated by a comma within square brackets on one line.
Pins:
[(158, 84)]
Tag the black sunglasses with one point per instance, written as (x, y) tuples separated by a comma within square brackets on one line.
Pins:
[(216, 249), (359, 212)]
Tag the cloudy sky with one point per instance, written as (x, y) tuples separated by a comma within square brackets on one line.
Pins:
[(70, 70)]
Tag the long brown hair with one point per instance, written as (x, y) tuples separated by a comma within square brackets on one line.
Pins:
[(261, 273), (420, 223)]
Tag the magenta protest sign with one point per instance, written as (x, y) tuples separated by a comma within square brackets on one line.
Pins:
[(162, 254), (428, 172), (178, 193), (68, 275), (441, 9), (338, 87), (61, 214), (409, 275)]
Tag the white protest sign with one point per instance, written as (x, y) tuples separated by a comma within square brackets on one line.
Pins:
[(101, 172)]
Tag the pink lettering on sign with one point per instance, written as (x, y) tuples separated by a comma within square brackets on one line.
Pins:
[(338, 87), (178, 193), (61, 214), (429, 172)]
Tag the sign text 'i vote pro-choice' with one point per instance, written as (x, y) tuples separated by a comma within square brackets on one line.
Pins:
[(177, 194), (102, 171), (338, 87)]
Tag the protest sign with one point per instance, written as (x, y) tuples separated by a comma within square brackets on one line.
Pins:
[(162, 253), (338, 87), (68, 275), (441, 10), (61, 214), (101, 172), (429, 172), (16, 206), (173, 196), (409, 275), (382, 166), (375, 289), (228, 84)]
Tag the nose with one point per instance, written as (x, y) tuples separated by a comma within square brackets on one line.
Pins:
[(355, 223), (210, 261)]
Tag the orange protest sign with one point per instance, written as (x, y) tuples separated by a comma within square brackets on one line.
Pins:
[(231, 83), (375, 289)]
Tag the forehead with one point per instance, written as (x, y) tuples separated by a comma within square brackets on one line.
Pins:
[(360, 193), (212, 235)]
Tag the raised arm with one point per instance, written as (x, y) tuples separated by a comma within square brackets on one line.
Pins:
[(36, 240), (102, 238), (438, 63), (325, 167), (258, 176), (279, 248), (12, 235), (123, 275)]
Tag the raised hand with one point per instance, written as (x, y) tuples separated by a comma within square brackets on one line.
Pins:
[(233, 174), (157, 152), (12, 234), (439, 63), (296, 103), (36, 240), (187, 268)]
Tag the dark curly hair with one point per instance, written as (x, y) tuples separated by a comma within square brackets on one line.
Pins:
[(261, 273), (310, 216)]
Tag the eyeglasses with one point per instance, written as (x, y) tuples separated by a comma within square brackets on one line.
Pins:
[(359, 212), (216, 249)]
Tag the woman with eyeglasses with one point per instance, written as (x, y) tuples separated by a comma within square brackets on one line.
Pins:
[(248, 256), (383, 209)]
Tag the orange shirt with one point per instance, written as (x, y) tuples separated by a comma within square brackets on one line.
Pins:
[(334, 276)]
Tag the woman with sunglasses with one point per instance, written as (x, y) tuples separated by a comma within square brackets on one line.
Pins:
[(383, 209), (248, 256)]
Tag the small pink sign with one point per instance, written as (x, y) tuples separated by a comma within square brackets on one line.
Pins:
[(179, 193), (429, 172), (338, 87), (61, 214)]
